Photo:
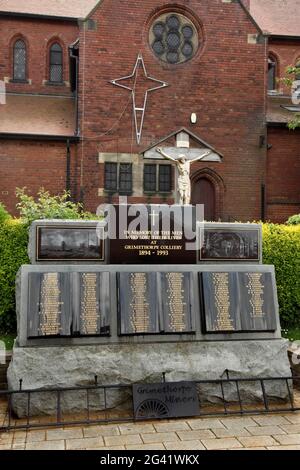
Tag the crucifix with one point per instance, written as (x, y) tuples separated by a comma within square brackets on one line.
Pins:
[(183, 156)]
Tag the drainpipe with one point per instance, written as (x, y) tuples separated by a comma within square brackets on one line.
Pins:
[(68, 167)]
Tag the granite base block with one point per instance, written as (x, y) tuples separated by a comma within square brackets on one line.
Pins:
[(143, 363)]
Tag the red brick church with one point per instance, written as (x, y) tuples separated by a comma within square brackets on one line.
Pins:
[(93, 88)]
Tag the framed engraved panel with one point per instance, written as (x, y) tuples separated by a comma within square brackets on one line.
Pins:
[(257, 302), (232, 244), (90, 297), (49, 312), (175, 297), (220, 302), (138, 303), (62, 243), (234, 302)]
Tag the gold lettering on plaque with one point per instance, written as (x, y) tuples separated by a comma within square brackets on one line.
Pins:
[(256, 292), (222, 298), (50, 305), (89, 304), (176, 301), (140, 308)]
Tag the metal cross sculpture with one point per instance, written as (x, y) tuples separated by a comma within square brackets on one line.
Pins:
[(139, 112)]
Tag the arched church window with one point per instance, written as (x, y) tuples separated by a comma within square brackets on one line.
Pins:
[(174, 38), (272, 73), (19, 60), (56, 64)]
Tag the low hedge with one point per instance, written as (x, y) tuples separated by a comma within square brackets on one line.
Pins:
[(13, 253), (281, 247)]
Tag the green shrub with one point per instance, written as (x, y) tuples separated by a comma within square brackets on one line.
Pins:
[(13, 253), (46, 206), (4, 215), (294, 220), (281, 248), (14, 241)]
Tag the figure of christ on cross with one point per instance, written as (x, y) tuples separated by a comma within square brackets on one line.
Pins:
[(184, 171)]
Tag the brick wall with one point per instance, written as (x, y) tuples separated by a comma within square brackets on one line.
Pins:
[(38, 35), (224, 84), (283, 170), (286, 54), (34, 165)]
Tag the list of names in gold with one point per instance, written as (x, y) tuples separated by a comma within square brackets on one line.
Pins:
[(256, 292), (140, 308), (90, 311), (50, 305), (176, 302), (224, 321)]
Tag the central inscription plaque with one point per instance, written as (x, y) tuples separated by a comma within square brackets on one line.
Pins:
[(153, 235), (237, 301)]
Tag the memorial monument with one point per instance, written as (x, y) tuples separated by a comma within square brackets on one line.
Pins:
[(158, 299)]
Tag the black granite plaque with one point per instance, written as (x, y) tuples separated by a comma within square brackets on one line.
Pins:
[(147, 235), (175, 293), (238, 302), (69, 244), (138, 303), (165, 400), (226, 244), (257, 302), (68, 304), (90, 296), (220, 302), (49, 311)]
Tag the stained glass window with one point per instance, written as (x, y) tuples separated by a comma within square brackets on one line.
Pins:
[(56, 63), (20, 58), (174, 38)]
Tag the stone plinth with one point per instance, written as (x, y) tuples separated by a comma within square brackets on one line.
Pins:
[(63, 366)]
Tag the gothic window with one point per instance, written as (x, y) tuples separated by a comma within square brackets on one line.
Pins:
[(125, 178), (19, 59), (272, 73), (56, 64), (118, 177), (174, 38), (111, 177), (157, 178), (150, 178), (165, 178)]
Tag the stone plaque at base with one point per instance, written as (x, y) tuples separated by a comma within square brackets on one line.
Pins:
[(165, 400), (238, 301)]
